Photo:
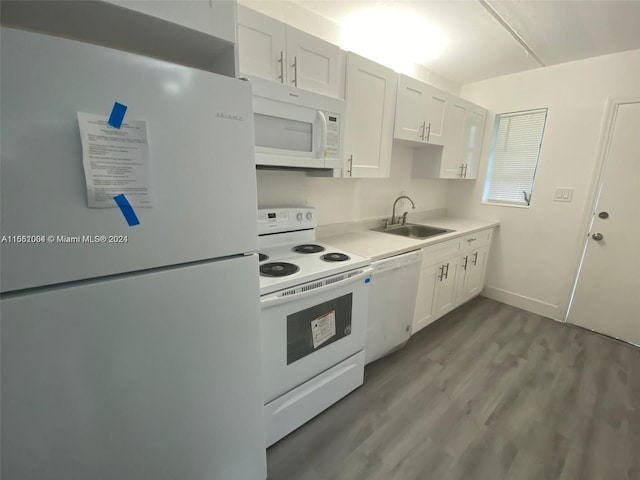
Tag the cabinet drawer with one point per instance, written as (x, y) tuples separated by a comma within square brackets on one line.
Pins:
[(433, 254), (476, 239)]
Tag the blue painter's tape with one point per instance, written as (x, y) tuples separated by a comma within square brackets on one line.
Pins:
[(127, 210), (117, 115), (367, 280)]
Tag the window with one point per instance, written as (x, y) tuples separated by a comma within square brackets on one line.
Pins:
[(517, 139)]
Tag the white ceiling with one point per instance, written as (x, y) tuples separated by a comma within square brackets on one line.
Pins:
[(480, 47)]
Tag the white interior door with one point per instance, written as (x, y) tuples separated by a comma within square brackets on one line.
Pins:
[(606, 294)]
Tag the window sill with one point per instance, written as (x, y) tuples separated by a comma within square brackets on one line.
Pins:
[(512, 205)]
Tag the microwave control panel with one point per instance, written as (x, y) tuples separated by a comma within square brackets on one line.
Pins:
[(333, 135)]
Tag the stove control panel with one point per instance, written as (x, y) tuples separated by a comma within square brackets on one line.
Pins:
[(272, 220)]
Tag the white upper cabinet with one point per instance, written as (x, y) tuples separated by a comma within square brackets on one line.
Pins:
[(411, 104), (272, 50), (452, 154), (195, 33), (369, 97), (421, 112), (262, 42), (472, 142), (313, 64), (435, 115), (459, 156), (213, 18)]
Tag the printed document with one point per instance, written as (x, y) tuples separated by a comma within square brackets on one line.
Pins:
[(115, 161)]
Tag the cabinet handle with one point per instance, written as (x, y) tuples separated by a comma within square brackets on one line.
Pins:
[(350, 162), (429, 131), (471, 240), (441, 273), (466, 260), (475, 258), (424, 129), (281, 77), (295, 71), (461, 175), (465, 170), (446, 273)]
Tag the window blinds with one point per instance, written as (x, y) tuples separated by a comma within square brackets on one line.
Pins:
[(516, 147)]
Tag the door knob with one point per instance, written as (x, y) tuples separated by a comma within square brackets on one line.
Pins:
[(597, 236)]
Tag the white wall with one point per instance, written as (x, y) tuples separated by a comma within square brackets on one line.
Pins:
[(340, 200), (537, 250)]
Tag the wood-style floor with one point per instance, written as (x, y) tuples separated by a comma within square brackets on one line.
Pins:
[(486, 392)]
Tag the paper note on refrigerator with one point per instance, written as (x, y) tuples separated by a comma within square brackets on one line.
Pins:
[(115, 161), (323, 328)]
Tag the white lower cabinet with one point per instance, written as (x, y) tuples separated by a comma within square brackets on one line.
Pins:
[(473, 266), (444, 294), (452, 273), (424, 315)]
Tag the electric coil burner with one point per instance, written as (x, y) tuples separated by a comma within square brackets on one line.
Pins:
[(290, 255), (309, 248), (313, 311), (335, 257), (278, 269)]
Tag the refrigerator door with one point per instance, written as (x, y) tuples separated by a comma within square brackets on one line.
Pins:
[(200, 133), (153, 376)]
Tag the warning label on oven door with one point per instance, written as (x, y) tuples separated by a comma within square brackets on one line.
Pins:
[(323, 328)]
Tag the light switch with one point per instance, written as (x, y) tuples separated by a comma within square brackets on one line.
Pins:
[(563, 194)]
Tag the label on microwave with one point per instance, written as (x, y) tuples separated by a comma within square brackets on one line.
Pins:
[(323, 328)]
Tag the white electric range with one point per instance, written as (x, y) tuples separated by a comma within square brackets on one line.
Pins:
[(314, 304)]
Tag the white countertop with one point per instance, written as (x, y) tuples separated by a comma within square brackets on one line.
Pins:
[(379, 245)]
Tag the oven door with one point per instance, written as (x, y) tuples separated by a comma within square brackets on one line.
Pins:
[(310, 328)]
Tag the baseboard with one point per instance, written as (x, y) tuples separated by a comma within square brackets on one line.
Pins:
[(526, 303)]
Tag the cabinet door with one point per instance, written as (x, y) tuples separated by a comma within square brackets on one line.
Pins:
[(445, 289), (312, 63), (370, 92), (410, 110), (476, 265), (261, 45), (451, 163), (475, 120), (435, 110), (215, 19), (424, 312)]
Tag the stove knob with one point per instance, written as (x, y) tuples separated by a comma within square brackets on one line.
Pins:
[(309, 215), (299, 216)]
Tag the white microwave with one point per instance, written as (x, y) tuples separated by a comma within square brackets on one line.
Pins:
[(296, 129)]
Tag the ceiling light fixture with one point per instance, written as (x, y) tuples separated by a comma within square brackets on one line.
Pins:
[(392, 36)]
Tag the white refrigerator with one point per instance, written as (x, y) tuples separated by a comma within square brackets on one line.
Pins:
[(136, 360)]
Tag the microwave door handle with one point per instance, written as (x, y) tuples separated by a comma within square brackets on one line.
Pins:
[(323, 135)]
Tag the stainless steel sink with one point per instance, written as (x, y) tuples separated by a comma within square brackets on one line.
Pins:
[(413, 231)]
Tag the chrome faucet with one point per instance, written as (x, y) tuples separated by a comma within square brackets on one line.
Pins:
[(403, 219)]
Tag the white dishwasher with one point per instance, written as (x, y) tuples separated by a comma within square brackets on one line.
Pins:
[(392, 301)]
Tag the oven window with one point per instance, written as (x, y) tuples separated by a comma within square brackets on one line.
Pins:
[(283, 133), (318, 326)]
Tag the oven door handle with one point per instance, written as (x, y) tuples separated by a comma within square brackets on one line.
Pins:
[(276, 298)]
